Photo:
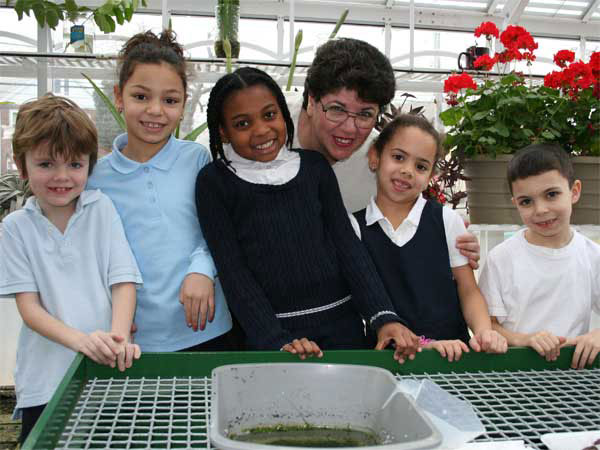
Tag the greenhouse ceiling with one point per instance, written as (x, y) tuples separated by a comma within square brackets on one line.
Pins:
[(558, 18)]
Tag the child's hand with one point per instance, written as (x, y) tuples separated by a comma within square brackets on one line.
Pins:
[(469, 247), (303, 348), (101, 347), (129, 352), (453, 349), (407, 344), (489, 341), (546, 344), (197, 295), (587, 347)]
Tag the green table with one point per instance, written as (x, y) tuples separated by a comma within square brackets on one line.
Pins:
[(163, 401)]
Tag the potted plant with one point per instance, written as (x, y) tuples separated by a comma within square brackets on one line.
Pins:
[(492, 119), (13, 193), (228, 17)]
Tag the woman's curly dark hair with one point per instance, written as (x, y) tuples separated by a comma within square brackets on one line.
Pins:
[(352, 64)]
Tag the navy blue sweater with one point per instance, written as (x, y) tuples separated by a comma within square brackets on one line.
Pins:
[(287, 248)]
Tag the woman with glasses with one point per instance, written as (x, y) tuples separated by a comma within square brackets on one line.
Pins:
[(347, 85)]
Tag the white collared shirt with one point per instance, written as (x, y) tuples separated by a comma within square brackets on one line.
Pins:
[(453, 225), (279, 171)]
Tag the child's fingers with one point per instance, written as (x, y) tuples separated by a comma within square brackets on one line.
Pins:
[(450, 352), (583, 358), (105, 344), (194, 311), (383, 343), (186, 309), (122, 360), (211, 307), (593, 353), (440, 348), (203, 311), (577, 356), (289, 348), (474, 343)]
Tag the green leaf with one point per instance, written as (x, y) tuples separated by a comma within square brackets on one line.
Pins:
[(19, 8), (112, 26), (51, 18), (501, 129), (480, 115), (109, 104), (511, 101), (451, 116), (547, 134), (119, 15), (100, 21), (40, 14), (193, 135), (527, 132), (128, 13)]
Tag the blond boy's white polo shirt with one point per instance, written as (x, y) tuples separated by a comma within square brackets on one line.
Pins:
[(72, 272)]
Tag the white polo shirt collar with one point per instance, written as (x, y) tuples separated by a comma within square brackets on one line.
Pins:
[(85, 198)]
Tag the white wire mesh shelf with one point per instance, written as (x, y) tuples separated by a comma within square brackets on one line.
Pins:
[(174, 412)]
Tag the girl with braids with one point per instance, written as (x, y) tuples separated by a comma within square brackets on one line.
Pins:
[(295, 275), (150, 178)]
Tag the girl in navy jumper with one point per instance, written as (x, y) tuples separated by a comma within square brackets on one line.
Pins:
[(293, 272), (411, 242)]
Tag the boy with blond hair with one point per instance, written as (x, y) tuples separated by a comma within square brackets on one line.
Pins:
[(64, 257), (542, 284)]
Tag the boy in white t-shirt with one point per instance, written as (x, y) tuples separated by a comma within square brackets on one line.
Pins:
[(542, 284), (64, 256)]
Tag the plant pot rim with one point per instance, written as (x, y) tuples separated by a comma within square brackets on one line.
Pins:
[(509, 156)]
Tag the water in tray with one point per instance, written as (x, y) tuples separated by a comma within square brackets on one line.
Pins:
[(308, 436)]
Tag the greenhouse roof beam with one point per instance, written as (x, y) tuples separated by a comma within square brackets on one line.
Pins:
[(513, 10), (492, 5), (465, 18), (590, 11)]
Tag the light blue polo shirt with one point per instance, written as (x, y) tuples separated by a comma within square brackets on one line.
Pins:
[(156, 202), (72, 272)]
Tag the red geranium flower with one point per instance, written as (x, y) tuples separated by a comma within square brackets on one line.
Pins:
[(508, 55), (484, 62), (595, 63), (455, 83), (579, 75), (515, 37), (488, 29), (562, 57), (554, 80)]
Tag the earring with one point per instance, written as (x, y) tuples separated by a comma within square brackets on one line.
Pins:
[(373, 167)]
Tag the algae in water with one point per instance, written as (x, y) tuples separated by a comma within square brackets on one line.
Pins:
[(307, 436)]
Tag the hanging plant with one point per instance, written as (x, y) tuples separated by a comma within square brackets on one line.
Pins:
[(228, 17), (106, 16)]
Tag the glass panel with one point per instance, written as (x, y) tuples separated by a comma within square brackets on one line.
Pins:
[(17, 36), (193, 32)]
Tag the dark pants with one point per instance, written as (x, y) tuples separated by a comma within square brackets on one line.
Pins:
[(30, 417), (231, 341)]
